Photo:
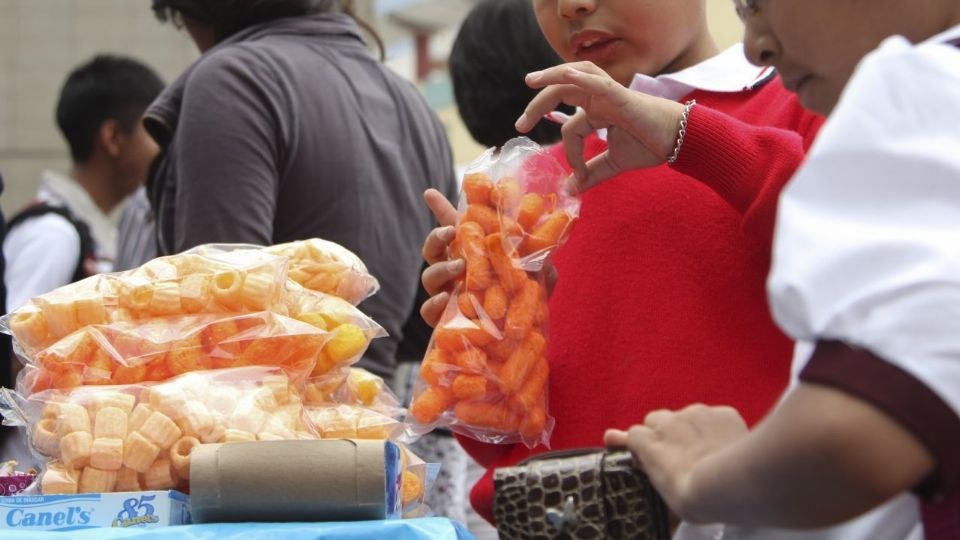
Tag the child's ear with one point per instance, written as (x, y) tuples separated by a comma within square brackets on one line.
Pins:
[(111, 137)]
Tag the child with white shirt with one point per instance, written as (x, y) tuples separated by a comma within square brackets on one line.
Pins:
[(866, 275), (660, 298)]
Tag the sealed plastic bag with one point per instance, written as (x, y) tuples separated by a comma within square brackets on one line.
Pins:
[(99, 439), (353, 422), (185, 284), (327, 267), (356, 386), (160, 348), (485, 372)]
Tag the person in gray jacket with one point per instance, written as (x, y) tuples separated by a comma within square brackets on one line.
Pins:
[(286, 128)]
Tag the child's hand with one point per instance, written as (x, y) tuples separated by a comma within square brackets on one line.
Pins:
[(642, 130), (438, 278), (669, 446)]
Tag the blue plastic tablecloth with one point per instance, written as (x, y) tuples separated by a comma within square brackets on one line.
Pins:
[(407, 529)]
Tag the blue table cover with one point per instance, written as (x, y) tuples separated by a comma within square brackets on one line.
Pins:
[(407, 529)]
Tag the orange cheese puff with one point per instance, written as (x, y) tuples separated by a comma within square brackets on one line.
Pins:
[(217, 332), (157, 370), (485, 216), (547, 235), (456, 339), (495, 302), (511, 276), (479, 275), (506, 195), (477, 188), (531, 393), (435, 366), (514, 372), (429, 405), (131, 374), (469, 386), (412, 487), (483, 414), (471, 360), (67, 377), (543, 313), (99, 368), (467, 303), (185, 355), (501, 349), (531, 208), (523, 310), (533, 423)]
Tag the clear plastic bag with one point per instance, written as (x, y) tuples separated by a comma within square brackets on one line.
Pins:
[(184, 284), (97, 439), (326, 267), (353, 422), (485, 372), (160, 348)]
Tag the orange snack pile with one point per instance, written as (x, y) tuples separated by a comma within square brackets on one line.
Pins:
[(326, 267), (485, 373)]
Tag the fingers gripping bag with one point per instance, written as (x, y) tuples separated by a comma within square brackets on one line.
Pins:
[(184, 284), (97, 439), (485, 372), (160, 348)]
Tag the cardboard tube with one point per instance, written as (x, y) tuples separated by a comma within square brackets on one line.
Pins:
[(282, 481)]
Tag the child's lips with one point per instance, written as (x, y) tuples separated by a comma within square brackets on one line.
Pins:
[(598, 50)]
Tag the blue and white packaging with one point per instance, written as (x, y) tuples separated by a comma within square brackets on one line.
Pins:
[(146, 509)]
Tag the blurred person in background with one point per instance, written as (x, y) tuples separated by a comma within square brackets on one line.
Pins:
[(68, 232), (287, 128), (488, 84)]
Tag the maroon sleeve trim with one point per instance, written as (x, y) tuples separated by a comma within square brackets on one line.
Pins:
[(900, 395)]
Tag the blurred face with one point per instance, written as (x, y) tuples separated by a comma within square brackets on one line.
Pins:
[(136, 151), (816, 44), (625, 37)]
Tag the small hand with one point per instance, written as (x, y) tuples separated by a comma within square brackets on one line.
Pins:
[(641, 129), (669, 447)]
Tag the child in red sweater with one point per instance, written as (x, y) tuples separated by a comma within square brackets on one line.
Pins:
[(660, 300)]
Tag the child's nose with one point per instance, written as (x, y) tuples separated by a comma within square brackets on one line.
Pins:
[(570, 9), (760, 45)]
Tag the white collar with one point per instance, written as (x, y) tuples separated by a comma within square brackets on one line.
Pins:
[(728, 71), (951, 34), (60, 189)]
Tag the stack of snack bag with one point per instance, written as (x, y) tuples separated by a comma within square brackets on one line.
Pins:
[(485, 372), (125, 373)]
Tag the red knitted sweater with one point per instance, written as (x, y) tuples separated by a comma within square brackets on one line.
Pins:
[(661, 298)]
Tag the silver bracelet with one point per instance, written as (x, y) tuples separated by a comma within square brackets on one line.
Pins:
[(684, 118)]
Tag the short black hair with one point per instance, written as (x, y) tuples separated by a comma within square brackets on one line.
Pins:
[(498, 44), (105, 88), (227, 17)]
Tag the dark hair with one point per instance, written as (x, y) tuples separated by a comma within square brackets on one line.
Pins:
[(106, 88), (228, 17), (498, 44)]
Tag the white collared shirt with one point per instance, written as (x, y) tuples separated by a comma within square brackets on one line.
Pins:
[(727, 72), (42, 252)]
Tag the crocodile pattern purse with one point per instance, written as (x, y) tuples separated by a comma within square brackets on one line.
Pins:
[(582, 494)]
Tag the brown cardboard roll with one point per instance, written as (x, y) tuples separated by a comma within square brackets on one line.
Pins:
[(278, 481)]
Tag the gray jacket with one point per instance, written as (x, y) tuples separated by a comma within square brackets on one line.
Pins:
[(290, 130)]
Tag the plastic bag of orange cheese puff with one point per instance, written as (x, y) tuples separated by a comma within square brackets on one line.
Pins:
[(485, 372), (98, 439), (157, 349), (351, 331), (355, 386), (327, 267), (185, 284)]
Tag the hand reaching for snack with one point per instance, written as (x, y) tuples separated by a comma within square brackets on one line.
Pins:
[(641, 129)]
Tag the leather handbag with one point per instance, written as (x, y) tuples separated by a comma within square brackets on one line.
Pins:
[(576, 495)]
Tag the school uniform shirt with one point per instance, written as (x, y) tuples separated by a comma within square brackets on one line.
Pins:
[(867, 252), (136, 233), (661, 298), (42, 252)]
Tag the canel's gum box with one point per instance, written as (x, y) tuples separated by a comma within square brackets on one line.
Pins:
[(142, 509)]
